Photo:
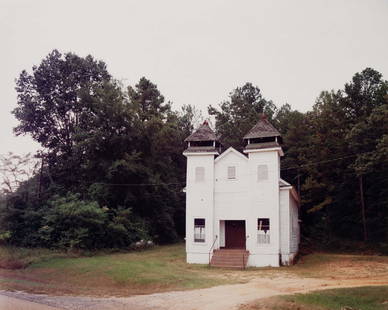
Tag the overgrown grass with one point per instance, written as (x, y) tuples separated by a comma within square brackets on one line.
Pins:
[(18, 257), (360, 298)]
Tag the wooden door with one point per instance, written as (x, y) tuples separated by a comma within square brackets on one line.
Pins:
[(235, 234)]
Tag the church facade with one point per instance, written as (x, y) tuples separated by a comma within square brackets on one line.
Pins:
[(239, 212)]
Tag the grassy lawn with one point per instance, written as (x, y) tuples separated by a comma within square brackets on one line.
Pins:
[(158, 269), (16, 257), (340, 266), (360, 298)]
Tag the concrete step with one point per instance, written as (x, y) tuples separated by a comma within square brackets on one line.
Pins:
[(230, 251), (230, 255), (228, 266), (230, 258)]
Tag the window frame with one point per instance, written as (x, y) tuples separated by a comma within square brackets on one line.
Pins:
[(263, 231), (262, 173), (202, 230), (228, 170), (198, 176)]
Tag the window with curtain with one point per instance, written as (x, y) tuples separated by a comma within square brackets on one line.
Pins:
[(199, 230), (263, 231)]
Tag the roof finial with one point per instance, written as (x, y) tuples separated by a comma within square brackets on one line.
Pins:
[(205, 122)]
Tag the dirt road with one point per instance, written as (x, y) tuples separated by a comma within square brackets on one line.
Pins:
[(225, 297), (10, 303)]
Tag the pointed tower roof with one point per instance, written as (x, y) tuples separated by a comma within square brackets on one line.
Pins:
[(262, 129), (203, 133)]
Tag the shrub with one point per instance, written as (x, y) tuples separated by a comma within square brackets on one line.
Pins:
[(74, 223)]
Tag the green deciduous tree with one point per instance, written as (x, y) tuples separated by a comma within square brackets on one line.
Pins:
[(110, 154), (240, 113), (113, 170), (48, 99), (327, 150)]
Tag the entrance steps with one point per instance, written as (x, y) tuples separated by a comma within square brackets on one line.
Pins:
[(230, 258)]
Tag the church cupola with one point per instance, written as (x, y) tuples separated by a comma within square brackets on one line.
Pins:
[(263, 135), (202, 140)]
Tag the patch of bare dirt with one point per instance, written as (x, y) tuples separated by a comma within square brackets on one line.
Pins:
[(12, 264), (273, 303), (349, 268)]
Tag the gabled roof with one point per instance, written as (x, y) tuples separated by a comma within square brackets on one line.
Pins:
[(203, 133), (262, 129), (230, 150)]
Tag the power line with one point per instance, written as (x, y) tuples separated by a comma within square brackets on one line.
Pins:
[(243, 174), (325, 161), (137, 184)]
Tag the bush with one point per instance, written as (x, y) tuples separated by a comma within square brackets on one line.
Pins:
[(71, 223)]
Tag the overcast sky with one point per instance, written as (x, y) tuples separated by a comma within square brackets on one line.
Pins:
[(198, 51)]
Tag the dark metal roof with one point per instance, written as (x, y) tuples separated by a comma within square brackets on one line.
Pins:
[(264, 145), (199, 149), (203, 133), (262, 129)]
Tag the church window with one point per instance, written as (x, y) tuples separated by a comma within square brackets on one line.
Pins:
[(262, 173), (200, 174), (231, 172), (263, 231), (199, 230)]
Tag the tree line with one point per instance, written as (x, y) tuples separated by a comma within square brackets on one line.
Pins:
[(111, 171)]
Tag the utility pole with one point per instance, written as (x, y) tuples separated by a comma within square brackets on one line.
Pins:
[(40, 179), (362, 201), (298, 183)]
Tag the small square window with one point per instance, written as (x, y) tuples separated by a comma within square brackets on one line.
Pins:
[(200, 174), (231, 172)]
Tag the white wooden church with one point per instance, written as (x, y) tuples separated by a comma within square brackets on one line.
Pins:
[(239, 212)]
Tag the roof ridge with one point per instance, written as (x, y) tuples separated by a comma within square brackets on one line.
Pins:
[(203, 133), (262, 129)]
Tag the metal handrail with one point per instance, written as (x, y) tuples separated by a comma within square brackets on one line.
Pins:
[(243, 256), (211, 248), (243, 262)]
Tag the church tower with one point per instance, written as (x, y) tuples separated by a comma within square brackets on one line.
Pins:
[(264, 152), (202, 147)]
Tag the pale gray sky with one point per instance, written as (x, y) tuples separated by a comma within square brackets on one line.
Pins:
[(198, 51)]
